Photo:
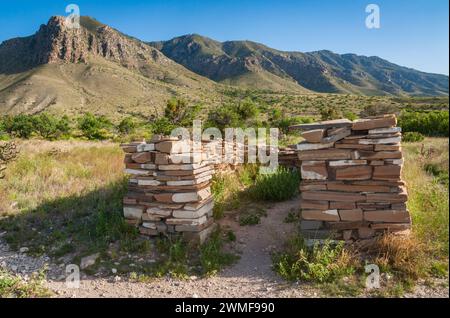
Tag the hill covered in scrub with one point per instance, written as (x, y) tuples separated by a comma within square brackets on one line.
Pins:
[(94, 68), (254, 65), (100, 70)]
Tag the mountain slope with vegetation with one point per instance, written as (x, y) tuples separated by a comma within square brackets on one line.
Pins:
[(234, 62), (94, 68)]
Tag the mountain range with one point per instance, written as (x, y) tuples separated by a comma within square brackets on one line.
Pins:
[(99, 69)]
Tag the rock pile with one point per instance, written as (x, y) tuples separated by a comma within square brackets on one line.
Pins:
[(8, 152), (351, 185), (169, 188)]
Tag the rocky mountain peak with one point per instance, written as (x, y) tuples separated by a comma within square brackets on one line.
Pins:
[(56, 42)]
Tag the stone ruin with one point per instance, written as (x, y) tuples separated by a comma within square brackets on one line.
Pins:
[(351, 184)]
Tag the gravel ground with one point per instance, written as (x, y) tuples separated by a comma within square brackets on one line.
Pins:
[(251, 276)]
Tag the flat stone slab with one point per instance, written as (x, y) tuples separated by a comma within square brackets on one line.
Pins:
[(337, 123)]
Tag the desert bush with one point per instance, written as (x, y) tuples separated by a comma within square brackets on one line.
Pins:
[(50, 127), (247, 109), (162, 126), (434, 123), (350, 115), (278, 186), (283, 123), (127, 125), (21, 125), (223, 117), (94, 127), (412, 136), (329, 112), (179, 113), (321, 263)]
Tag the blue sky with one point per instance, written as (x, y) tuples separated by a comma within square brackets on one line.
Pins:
[(413, 33)]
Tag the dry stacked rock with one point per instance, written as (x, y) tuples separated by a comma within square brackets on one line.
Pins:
[(8, 152), (351, 185), (166, 195)]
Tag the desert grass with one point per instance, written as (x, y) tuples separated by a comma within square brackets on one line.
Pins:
[(47, 170), (428, 197)]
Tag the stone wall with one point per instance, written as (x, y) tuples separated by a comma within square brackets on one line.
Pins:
[(351, 184), (169, 189)]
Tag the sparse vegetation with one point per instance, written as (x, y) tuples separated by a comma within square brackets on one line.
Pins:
[(278, 186), (412, 136), (212, 256), (320, 263), (13, 286), (251, 215)]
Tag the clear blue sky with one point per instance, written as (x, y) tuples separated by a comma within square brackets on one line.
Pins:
[(413, 33)]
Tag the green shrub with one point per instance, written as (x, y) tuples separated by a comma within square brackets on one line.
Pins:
[(247, 109), (21, 126), (284, 122), (127, 125), (438, 172), (412, 136), (50, 127), (321, 263), (63, 126), (434, 123), (350, 115), (94, 127), (278, 186), (178, 113), (330, 112), (162, 126), (223, 117)]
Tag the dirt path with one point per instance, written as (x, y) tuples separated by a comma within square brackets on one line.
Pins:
[(251, 276)]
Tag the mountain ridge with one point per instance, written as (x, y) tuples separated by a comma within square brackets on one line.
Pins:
[(319, 71), (93, 68), (99, 69)]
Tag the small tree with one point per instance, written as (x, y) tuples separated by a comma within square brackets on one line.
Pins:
[(46, 125), (247, 109), (21, 125), (329, 113), (63, 126), (94, 127), (223, 117), (127, 125)]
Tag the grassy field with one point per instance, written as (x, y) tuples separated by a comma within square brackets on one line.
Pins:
[(63, 199)]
